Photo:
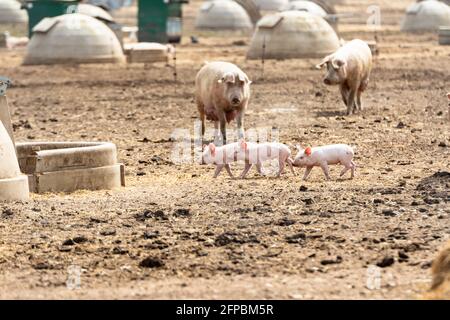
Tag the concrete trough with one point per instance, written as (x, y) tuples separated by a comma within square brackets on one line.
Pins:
[(70, 166), (147, 52)]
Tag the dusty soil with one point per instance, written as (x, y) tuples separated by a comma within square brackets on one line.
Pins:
[(175, 232)]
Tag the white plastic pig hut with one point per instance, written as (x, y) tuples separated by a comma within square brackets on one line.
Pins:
[(13, 184), (10, 12), (427, 15), (308, 6), (94, 12), (73, 38), (292, 34), (223, 15), (271, 5)]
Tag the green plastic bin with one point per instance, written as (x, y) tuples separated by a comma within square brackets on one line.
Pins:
[(40, 9), (160, 20)]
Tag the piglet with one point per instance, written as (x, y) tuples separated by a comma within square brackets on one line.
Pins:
[(220, 156), (250, 153), (324, 156), (257, 153)]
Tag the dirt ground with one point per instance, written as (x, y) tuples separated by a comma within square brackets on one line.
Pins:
[(175, 232)]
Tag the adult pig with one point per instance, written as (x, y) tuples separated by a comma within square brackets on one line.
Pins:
[(349, 67), (222, 95)]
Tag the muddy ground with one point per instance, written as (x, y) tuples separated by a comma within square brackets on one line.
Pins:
[(175, 232)]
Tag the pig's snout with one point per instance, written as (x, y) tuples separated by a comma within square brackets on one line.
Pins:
[(235, 101), (327, 81)]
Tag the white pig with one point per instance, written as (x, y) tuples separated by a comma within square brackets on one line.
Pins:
[(222, 95), (250, 153), (324, 156), (257, 153), (349, 67)]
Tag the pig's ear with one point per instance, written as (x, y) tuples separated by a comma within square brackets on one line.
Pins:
[(212, 148), (338, 63), (323, 62), (448, 96), (244, 78), (308, 151), (243, 144), (229, 77)]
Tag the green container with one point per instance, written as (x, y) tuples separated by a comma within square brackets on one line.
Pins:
[(160, 20), (40, 9)]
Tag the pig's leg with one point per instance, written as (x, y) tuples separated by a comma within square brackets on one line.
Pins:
[(353, 169), (202, 119), (259, 167), (346, 168), (358, 101), (325, 170), (218, 169), (351, 101), (281, 165), (362, 87), (247, 168), (228, 168), (201, 110), (223, 125), (240, 123), (216, 133), (307, 172), (290, 163), (344, 92)]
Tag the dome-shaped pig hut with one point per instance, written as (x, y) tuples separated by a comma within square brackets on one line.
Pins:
[(13, 185), (10, 12), (292, 34), (318, 8), (73, 38), (223, 15), (308, 6), (271, 5), (94, 12), (427, 15)]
